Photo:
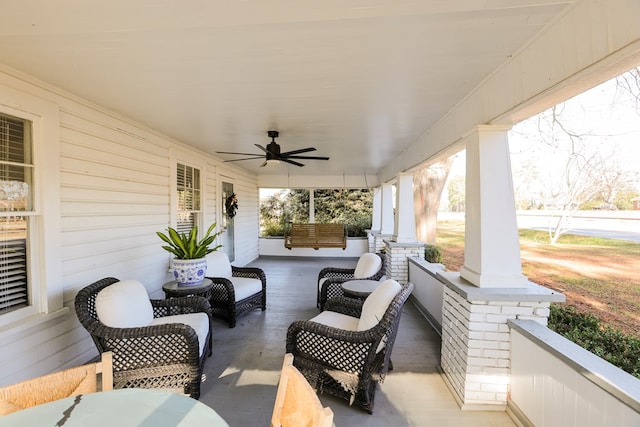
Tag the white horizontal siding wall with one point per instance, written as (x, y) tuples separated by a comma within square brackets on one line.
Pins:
[(115, 193)]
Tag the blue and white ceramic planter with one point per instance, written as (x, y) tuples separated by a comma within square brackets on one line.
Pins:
[(189, 272)]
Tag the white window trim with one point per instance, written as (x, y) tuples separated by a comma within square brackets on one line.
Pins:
[(173, 205), (46, 282)]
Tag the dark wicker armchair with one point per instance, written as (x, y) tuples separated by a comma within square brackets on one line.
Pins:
[(236, 290), (330, 279), (164, 356), (347, 363)]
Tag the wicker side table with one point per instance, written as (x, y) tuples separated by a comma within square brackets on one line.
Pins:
[(172, 289), (359, 288)]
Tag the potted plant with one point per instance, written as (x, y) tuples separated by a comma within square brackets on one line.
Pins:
[(433, 254), (189, 264)]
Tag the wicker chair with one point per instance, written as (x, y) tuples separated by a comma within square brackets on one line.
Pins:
[(297, 403), (340, 352), (236, 290), (163, 354), (330, 279), (83, 379)]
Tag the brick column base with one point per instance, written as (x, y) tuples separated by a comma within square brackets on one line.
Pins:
[(475, 354), (397, 266), (376, 240)]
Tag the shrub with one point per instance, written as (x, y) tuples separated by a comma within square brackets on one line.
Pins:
[(586, 330), (433, 253)]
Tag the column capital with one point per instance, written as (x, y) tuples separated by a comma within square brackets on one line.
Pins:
[(486, 128)]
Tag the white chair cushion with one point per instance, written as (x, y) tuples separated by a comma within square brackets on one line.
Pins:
[(368, 265), (337, 320), (320, 282), (218, 265), (244, 287), (198, 321), (124, 304), (376, 304)]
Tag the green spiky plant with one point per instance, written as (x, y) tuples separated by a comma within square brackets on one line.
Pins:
[(187, 246)]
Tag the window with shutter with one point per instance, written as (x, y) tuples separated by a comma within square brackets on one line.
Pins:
[(16, 172), (188, 190)]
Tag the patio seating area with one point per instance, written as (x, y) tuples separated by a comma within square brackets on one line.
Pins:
[(243, 372)]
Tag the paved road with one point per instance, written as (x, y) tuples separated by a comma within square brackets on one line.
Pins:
[(613, 227), (609, 228)]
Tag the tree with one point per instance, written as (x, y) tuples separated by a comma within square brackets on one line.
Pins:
[(277, 211), (456, 190), (580, 161), (428, 184), (352, 207)]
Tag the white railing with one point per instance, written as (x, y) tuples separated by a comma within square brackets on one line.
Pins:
[(428, 290), (274, 246), (555, 382)]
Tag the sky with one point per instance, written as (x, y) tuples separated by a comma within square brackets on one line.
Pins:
[(611, 116)]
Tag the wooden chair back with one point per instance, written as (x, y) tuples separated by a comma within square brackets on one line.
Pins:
[(58, 385), (297, 403)]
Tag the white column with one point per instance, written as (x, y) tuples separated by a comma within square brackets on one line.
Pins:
[(386, 217), (405, 220), (492, 245), (377, 209), (312, 207)]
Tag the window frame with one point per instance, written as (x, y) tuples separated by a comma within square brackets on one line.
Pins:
[(44, 267), (175, 211)]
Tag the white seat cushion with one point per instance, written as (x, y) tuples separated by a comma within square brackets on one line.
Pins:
[(337, 320), (124, 304), (218, 265), (198, 321), (320, 282), (368, 265), (376, 304), (244, 287)]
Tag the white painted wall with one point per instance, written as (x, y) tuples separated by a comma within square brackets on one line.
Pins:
[(114, 193), (555, 383), (428, 290), (274, 246)]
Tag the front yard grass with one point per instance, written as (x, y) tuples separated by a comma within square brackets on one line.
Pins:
[(598, 276)]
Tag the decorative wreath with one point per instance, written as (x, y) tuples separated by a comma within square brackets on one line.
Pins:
[(231, 205)]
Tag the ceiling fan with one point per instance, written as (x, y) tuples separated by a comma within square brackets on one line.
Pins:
[(272, 153)]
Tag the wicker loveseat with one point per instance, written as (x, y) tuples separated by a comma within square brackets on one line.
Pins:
[(161, 355), (340, 355), (370, 267)]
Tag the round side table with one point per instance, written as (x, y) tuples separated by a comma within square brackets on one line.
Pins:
[(172, 289), (359, 288)]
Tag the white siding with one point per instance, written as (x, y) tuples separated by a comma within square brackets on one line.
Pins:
[(115, 193)]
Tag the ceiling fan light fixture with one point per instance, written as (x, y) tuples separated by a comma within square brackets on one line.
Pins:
[(273, 155)]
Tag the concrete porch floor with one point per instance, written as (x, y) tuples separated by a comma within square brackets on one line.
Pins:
[(243, 372)]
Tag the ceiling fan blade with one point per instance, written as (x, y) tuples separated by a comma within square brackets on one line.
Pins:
[(307, 157), (261, 147), (244, 158), (302, 150), (292, 162), (243, 154)]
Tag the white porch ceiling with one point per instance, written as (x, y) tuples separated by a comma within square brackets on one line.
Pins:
[(358, 80)]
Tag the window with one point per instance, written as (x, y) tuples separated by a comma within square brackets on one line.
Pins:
[(188, 190), (16, 212)]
